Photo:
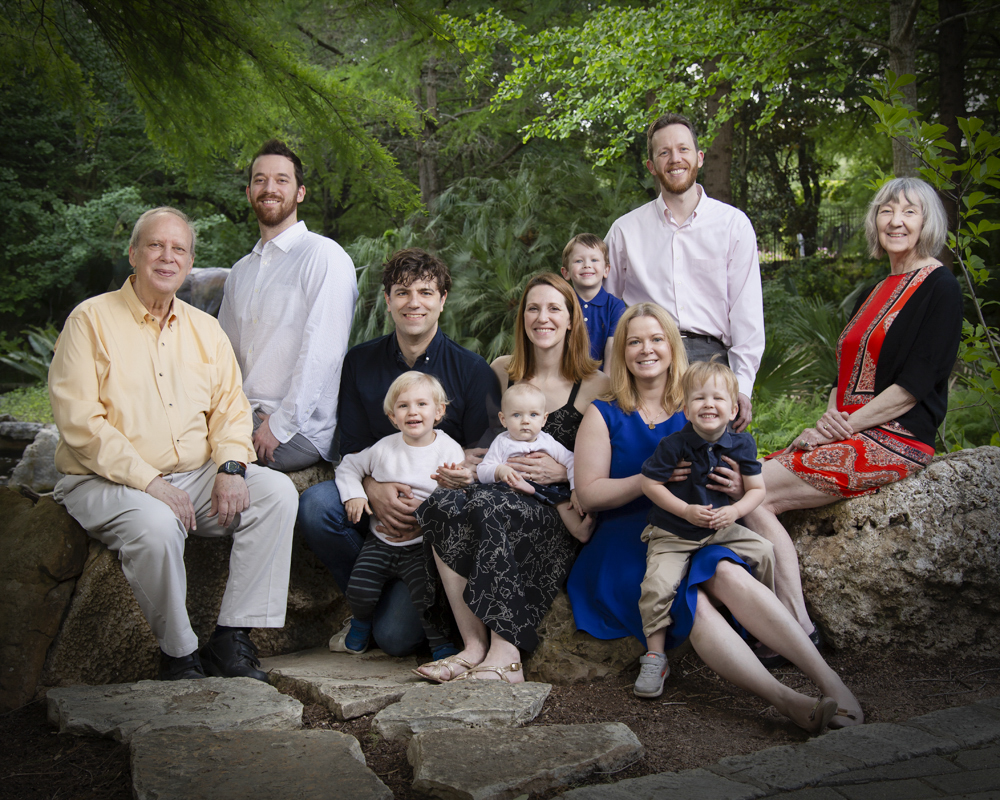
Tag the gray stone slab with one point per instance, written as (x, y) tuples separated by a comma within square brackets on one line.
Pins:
[(980, 780), (461, 704), (812, 794), (120, 711), (909, 789), (984, 758), (502, 764), (914, 768), (787, 767), (236, 765), (691, 784), (880, 743), (349, 686), (970, 726)]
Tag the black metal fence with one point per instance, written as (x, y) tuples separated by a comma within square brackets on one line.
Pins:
[(839, 230)]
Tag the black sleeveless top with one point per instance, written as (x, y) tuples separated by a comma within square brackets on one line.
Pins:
[(564, 422)]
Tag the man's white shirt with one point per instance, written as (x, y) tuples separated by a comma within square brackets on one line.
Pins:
[(288, 308), (705, 273)]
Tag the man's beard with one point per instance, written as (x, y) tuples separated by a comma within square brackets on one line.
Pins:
[(673, 187), (272, 216)]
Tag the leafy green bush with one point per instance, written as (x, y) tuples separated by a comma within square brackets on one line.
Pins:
[(780, 419), (34, 359), (28, 405)]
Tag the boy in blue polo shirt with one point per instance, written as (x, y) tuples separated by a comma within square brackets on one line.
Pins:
[(689, 515), (585, 265)]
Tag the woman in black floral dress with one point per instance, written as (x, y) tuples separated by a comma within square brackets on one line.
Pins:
[(502, 555)]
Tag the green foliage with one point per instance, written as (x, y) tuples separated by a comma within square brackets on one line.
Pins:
[(968, 423), (970, 184), (494, 234), (30, 404), (34, 359), (778, 420), (210, 77)]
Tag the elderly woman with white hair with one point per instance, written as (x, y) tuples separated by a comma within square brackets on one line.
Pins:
[(891, 393)]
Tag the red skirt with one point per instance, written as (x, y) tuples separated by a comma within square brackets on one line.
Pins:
[(859, 465)]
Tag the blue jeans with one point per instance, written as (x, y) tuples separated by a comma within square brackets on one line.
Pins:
[(331, 536)]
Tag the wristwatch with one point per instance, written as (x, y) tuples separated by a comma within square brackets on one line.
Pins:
[(233, 468)]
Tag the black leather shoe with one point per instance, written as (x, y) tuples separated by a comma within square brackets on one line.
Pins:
[(232, 655), (182, 668)]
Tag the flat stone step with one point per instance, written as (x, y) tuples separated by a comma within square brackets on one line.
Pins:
[(349, 686), (122, 710), (461, 704), (502, 764), (236, 765)]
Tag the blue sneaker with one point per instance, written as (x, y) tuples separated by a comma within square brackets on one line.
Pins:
[(353, 638)]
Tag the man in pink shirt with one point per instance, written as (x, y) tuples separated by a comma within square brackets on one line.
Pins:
[(695, 256)]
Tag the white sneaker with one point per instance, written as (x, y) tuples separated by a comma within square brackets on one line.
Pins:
[(653, 671)]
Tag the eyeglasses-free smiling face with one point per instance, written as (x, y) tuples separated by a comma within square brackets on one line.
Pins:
[(709, 408), (162, 257), (899, 223), (415, 413), (273, 193), (647, 351), (546, 318), (675, 160), (587, 267), (415, 308)]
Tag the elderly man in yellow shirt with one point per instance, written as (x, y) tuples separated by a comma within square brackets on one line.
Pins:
[(155, 433)]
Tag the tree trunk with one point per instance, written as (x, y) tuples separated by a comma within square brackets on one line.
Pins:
[(903, 61), (427, 163), (717, 175), (951, 90)]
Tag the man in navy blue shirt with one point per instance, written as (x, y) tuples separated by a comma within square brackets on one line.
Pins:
[(416, 287)]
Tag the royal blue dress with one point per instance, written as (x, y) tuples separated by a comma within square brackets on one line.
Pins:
[(604, 583)]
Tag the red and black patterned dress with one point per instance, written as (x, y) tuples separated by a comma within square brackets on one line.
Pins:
[(905, 331)]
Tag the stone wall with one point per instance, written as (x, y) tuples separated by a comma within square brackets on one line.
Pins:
[(916, 565)]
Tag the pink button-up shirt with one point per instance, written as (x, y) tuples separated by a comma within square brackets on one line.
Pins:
[(704, 272)]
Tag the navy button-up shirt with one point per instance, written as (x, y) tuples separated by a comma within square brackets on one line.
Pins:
[(370, 367), (687, 445)]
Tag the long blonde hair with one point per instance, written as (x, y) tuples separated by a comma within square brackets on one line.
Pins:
[(623, 390), (576, 361)]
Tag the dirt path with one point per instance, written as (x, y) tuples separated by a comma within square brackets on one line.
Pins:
[(698, 720)]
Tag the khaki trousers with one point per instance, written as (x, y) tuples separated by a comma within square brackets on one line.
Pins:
[(667, 559), (149, 541)]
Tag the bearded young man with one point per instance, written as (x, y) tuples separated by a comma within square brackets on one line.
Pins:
[(287, 308), (694, 256)]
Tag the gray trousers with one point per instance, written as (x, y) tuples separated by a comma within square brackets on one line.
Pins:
[(704, 349), (295, 454), (149, 540)]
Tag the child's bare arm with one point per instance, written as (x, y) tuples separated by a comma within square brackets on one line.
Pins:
[(355, 507), (665, 499)]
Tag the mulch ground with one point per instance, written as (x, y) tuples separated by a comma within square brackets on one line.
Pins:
[(698, 720)]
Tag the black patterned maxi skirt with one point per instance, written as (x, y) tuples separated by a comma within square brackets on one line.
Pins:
[(514, 550)]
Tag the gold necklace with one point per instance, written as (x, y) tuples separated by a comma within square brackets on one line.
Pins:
[(650, 421)]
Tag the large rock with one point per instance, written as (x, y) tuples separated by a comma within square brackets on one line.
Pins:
[(203, 287), (566, 655), (42, 551), (122, 711), (916, 565), (105, 638), (235, 765), (37, 467)]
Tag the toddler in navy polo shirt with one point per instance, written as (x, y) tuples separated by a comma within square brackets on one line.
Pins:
[(585, 265), (688, 515)]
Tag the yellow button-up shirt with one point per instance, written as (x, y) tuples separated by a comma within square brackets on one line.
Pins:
[(133, 402)]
